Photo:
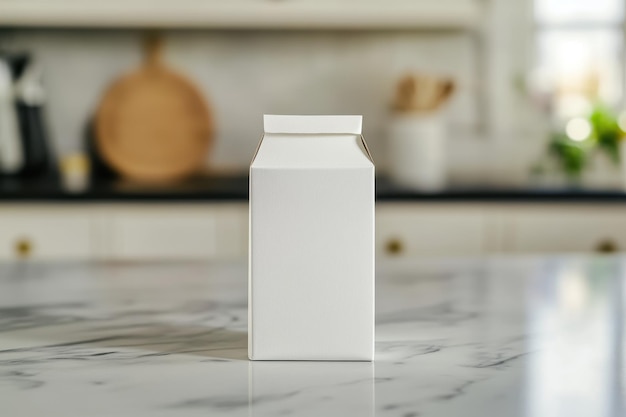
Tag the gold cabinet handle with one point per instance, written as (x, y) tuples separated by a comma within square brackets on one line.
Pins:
[(23, 248), (606, 246), (394, 247)]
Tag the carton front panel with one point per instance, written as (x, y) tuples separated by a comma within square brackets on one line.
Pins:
[(312, 268)]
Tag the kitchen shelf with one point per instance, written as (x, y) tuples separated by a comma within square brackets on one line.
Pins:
[(242, 14)]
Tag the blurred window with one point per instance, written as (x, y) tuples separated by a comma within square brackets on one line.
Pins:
[(576, 12), (580, 50)]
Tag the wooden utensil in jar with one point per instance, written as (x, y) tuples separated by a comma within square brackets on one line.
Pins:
[(153, 124), (422, 93)]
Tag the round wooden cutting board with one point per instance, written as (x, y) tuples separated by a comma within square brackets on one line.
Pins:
[(153, 124)]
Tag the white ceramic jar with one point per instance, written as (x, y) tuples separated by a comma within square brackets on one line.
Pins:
[(416, 149)]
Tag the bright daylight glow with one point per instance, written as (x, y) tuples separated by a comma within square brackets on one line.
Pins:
[(578, 129)]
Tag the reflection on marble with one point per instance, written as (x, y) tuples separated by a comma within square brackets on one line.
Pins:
[(493, 337)]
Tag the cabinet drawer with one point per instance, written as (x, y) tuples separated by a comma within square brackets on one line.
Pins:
[(157, 235), (568, 229), (45, 235), (430, 230)]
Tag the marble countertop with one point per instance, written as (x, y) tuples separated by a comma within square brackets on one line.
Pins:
[(494, 337)]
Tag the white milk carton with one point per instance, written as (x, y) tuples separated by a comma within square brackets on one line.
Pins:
[(311, 266)]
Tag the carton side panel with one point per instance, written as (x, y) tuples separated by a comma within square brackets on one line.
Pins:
[(312, 264)]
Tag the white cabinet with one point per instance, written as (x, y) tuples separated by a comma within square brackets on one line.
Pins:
[(219, 231), (177, 232), (408, 230), (463, 229), (159, 235), (44, 234), (565, 228), (124, 232)]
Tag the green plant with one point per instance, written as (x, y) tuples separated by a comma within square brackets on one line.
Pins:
[(604, 136), (570, 155), (606, 132)]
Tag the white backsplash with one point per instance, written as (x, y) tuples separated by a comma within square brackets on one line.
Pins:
[(244, 74)]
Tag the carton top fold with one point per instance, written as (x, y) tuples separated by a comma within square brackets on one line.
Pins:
[(312, 124), (314, 142)]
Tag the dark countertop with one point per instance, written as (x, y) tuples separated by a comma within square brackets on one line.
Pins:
[(234, 188)]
